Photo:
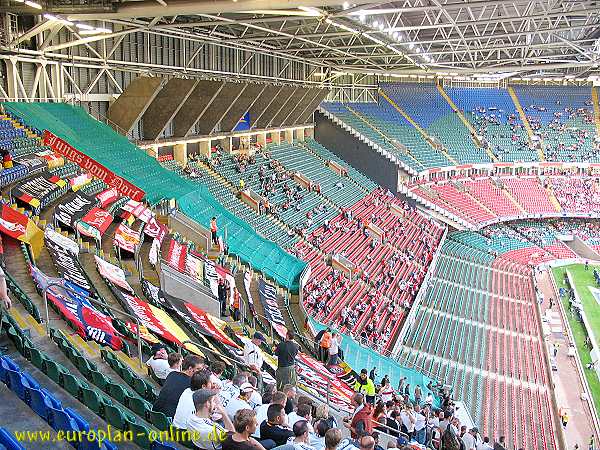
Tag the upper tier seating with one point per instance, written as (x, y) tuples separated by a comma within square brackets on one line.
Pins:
[(116, 153), (430, 110), (564, 119), (493, 114)]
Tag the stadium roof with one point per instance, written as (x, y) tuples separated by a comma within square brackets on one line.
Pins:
[(494, 37)]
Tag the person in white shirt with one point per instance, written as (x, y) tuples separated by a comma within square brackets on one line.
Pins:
[(485, 444), (301, 438), (253, 356), (185, 405), (232, 389), (255, 398), (420, 426), (334, 348), (217, 368), (407, 415), (204, 432), (470, 439), (158, 362), (429, 399), (241, 401), (302, 413)]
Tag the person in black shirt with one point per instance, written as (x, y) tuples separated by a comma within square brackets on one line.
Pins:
[(286, 352), (244, 423), (273, 428), (176, 383)]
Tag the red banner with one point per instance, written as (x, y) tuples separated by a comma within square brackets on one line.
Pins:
[(126, 238), (93, 167), (155, 229), (99, 219), (107, 197), (176, 256), (13, 222), (204, 321)]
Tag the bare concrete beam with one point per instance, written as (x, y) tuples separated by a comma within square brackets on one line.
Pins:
[(219, 106), (126, 110), (195, 105), (306, 116), (303, 106), (262, 103), (165, 106), (282, 97), (287, 107), (299, 107), (243, 104)]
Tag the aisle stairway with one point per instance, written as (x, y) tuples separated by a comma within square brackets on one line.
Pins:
[(524, 119), (596, 109), (461, 117)]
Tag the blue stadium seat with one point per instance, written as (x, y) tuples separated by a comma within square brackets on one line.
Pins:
[(38, 401), (8, 441), (60, 420), (162, 446)]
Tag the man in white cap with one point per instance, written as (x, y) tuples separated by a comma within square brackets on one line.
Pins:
[(241, 401), (253, 356)]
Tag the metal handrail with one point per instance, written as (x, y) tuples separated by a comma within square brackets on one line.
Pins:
[(93, 301), (233, 361)]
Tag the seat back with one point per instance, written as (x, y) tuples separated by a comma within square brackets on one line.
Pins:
[(38, 401)]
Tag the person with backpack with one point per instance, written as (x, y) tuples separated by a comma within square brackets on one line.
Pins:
[(450, 439)]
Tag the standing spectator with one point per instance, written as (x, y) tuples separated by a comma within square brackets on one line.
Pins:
[(286, 352), (360, 422), (245, 425), (334, 349), (485, 445), (373, 374), (365, 386), (213, 230), (418, 394), (500, 445), (386, 392), (235, 305), (176, 383), (564, 418), (208, 434), (185, 407), (222, 295), (420, 425), (408, 418), (429, 399), (470, 439), (325, 343), (253, 356)]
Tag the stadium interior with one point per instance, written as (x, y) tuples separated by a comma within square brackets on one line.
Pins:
[(390, 211)]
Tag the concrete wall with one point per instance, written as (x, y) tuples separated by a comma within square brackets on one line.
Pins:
[(126, 110), (227, 96), (194, 106), (244, 102), (356, 153), (165, 105)]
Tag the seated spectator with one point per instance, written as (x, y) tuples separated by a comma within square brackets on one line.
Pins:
[(290, 391), (333, 437), (317, 438), (231, 389), (303, 413), (217, 368), (301, 439), (185, 406), (158, 362), (322, 413), (241, 401), (278, 398), (245, 425), (255, 399), (375, 436), (274, 428), (176, 383), (206, 433)]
